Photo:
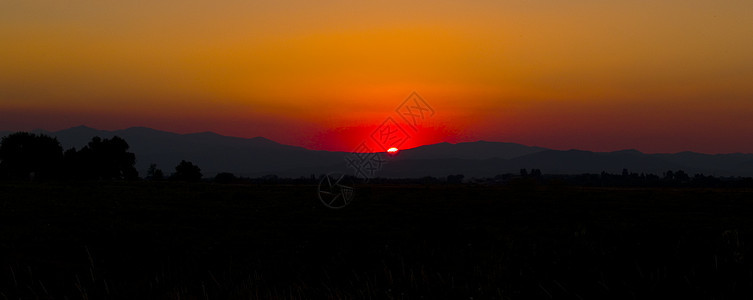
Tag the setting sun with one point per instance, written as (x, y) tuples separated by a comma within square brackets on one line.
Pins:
[(592, 75)]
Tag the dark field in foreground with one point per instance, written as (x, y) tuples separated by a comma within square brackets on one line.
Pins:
[(199, 241)]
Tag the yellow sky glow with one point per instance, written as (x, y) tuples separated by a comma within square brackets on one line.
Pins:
[(329, 63)]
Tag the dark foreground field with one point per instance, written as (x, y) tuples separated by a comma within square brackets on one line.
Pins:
[(205, 241)]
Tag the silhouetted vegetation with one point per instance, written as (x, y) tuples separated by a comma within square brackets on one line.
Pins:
[(102, 159), (532, 179), (670, 178), (153, 173), (521, 235), (37, 157), (27, 156), (169, 240), (455, 179), (225, 178), (187, 171)]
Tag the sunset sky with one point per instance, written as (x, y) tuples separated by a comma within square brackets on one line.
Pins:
[(657, 76)]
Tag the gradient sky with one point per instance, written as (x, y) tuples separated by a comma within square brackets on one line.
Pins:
[(657, 76)]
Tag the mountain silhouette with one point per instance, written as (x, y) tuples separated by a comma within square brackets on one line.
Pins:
[(212, 152), (469, 150), (260, 156)]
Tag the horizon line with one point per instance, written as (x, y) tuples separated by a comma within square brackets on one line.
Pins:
[(307, 148)]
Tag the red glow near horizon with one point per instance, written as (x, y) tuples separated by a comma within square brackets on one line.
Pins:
[(347, 139)]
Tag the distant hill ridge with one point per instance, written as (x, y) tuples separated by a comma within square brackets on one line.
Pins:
[(260, 156)]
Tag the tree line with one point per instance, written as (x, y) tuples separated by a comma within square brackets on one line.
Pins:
[(38, 157), (27, 156)]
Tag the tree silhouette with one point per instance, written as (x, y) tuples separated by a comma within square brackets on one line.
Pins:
[(225, 177), (26, 156), (154, 173), (187, 171), (455, 179), (112, 158), (102, 159), (680, 175)]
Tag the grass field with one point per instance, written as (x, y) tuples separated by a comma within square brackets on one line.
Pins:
[(208, 241)]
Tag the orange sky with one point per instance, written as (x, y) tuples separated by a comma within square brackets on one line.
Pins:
[(657, 76)]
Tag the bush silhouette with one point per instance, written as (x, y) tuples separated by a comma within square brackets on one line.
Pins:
[(225, 177), (187, 171)]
